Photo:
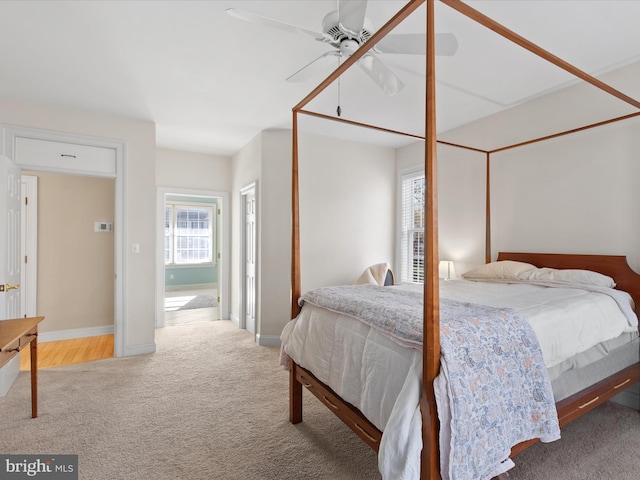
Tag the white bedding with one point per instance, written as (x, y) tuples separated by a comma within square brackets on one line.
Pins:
[(567, 321), (382, 379)]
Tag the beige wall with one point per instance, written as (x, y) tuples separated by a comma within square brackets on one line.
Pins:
[(75, 264)]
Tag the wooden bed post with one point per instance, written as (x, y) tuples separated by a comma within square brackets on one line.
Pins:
[(431, 358), (295, 223), (295, 387), (487, 241)]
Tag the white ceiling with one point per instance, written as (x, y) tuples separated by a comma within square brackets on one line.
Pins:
[(211, 82)]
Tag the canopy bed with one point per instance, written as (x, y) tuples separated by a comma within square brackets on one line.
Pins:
[(586, 391)]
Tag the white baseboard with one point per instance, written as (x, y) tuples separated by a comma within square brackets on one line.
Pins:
[(142, 349), (129, 350), (268, 340), (195, 286), (234, 318), (8, 374), (74, 333)]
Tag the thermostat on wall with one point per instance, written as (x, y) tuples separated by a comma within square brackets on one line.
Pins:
[(103, 227)]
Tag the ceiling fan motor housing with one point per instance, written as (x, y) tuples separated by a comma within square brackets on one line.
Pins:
[(331, 26)]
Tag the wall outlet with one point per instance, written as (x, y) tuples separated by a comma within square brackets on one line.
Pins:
[(171, 276)]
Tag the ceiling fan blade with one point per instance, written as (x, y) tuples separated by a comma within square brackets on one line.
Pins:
[(351, 16), (269, 22), (416, 44), (380, 74), (323, 63)]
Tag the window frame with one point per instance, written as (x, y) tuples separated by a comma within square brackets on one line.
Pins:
[(406, 271), (173, 206)]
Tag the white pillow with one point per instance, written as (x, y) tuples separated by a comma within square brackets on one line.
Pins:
[(579, 277), (502, 270)]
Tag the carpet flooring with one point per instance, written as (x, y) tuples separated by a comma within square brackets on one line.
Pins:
[(201, 301), (211, 404), (188, 302)]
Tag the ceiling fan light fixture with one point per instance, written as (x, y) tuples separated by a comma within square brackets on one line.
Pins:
[(348, 46)]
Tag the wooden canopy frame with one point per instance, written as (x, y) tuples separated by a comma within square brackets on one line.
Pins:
[(431, 358)]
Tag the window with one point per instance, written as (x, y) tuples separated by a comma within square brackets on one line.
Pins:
[(189, 233), (412, 227)]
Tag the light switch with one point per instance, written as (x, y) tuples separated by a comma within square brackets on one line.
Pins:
[(135, 248)]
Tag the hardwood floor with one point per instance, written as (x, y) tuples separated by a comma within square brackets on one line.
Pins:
[(66, 352)]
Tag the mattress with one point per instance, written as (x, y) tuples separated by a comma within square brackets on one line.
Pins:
[(595, 364), (382, 378)]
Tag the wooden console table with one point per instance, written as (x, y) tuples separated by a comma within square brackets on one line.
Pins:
[(14, 336)]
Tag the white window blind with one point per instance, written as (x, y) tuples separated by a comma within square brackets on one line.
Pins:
[(412, 227), (189, 233)]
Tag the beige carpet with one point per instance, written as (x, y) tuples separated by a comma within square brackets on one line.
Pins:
[(210, 404)]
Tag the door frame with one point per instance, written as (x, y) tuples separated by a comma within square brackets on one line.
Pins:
[(224, 280), (11, 133), (29, 240), (244, 191)]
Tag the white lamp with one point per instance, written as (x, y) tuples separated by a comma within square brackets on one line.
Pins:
[(446, 270)]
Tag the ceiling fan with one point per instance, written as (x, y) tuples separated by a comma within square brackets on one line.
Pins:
[(345, 29)]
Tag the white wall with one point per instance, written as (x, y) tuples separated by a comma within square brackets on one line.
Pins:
[(574, 194), (197, 171), (139, 203), (346, 209), (461, 201), (245, 169), (275, 234)]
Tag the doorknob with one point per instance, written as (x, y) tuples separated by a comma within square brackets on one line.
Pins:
[(12, 287)]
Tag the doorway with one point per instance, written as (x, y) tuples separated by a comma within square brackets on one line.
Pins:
[(69, 253), (192, 240), (89, 157)]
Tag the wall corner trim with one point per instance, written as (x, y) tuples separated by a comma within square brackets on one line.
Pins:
[(141, 349), (268, 340)]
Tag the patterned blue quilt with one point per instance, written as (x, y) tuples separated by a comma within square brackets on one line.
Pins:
[(493, 390)]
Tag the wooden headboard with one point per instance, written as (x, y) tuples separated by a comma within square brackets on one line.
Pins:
[(614, 266)]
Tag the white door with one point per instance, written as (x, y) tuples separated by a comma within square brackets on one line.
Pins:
[(250, 260), (10, 246), (10, 192)]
